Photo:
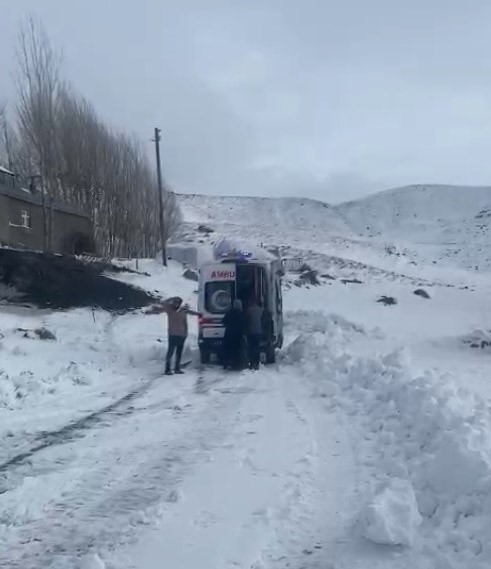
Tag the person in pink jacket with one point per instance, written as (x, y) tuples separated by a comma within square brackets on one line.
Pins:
[(177, 326)]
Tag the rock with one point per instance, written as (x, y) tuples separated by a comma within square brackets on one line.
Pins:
[(304, 268), (387, 300), (328, 276), (205, 229), (44, 334), (422, 293), (309, 277), (191, 275)]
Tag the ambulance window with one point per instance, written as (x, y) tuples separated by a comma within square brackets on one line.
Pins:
[(218, 296)]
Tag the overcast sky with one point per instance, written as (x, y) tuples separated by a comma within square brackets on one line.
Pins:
[(320, 98)]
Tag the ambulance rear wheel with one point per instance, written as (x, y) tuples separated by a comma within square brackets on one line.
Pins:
[(204, 356)]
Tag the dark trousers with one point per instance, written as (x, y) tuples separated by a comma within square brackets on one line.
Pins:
[(175, 344), (254, 350), (233, 352)]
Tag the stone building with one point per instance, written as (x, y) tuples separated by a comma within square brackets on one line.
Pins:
[(22, 220)]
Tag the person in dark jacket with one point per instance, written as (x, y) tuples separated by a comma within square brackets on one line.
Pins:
[(234, 338), (254, 323)]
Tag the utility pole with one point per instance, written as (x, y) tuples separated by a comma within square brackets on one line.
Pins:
[(161, 197)]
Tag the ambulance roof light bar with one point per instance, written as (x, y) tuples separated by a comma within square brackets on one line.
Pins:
[(235, 256)]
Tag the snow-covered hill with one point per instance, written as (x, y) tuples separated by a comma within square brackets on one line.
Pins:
[(415, 208), (272, 212), (444, 223), (447, 225)]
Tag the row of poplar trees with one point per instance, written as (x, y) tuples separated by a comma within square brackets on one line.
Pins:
[(56, 142)]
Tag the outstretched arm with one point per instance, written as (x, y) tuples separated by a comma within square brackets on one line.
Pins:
[(158, 308), (190, 311)]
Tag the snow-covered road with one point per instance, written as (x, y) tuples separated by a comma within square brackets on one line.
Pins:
[(237, 469), (349, 453), (255, 497)]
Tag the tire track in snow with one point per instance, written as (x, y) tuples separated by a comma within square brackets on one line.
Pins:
[(252, 496), (75, 429), (44, 439), (320, 488), (110, 499)]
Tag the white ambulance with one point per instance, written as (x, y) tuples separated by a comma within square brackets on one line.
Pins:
[(239, 274)]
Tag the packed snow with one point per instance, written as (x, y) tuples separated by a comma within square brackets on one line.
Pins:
[(392, 518), (366, 446)]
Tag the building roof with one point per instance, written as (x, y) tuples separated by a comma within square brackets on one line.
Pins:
[(25, 195)]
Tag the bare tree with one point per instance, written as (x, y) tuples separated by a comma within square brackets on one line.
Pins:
[(83, 161), (172, 213), (39, 86), (5, 146)]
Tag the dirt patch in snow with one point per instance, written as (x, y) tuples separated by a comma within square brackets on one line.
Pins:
[(61, 282)]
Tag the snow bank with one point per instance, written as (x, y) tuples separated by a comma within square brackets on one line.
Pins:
[(392, 518), (33, 368), (413, 427), (308, 321)]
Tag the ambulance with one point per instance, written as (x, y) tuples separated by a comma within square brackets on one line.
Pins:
[(239, 273)]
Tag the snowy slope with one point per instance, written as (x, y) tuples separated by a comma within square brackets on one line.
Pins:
[(424, 223), (303, 224), (282, 213), (413, 209), (449, 223)]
